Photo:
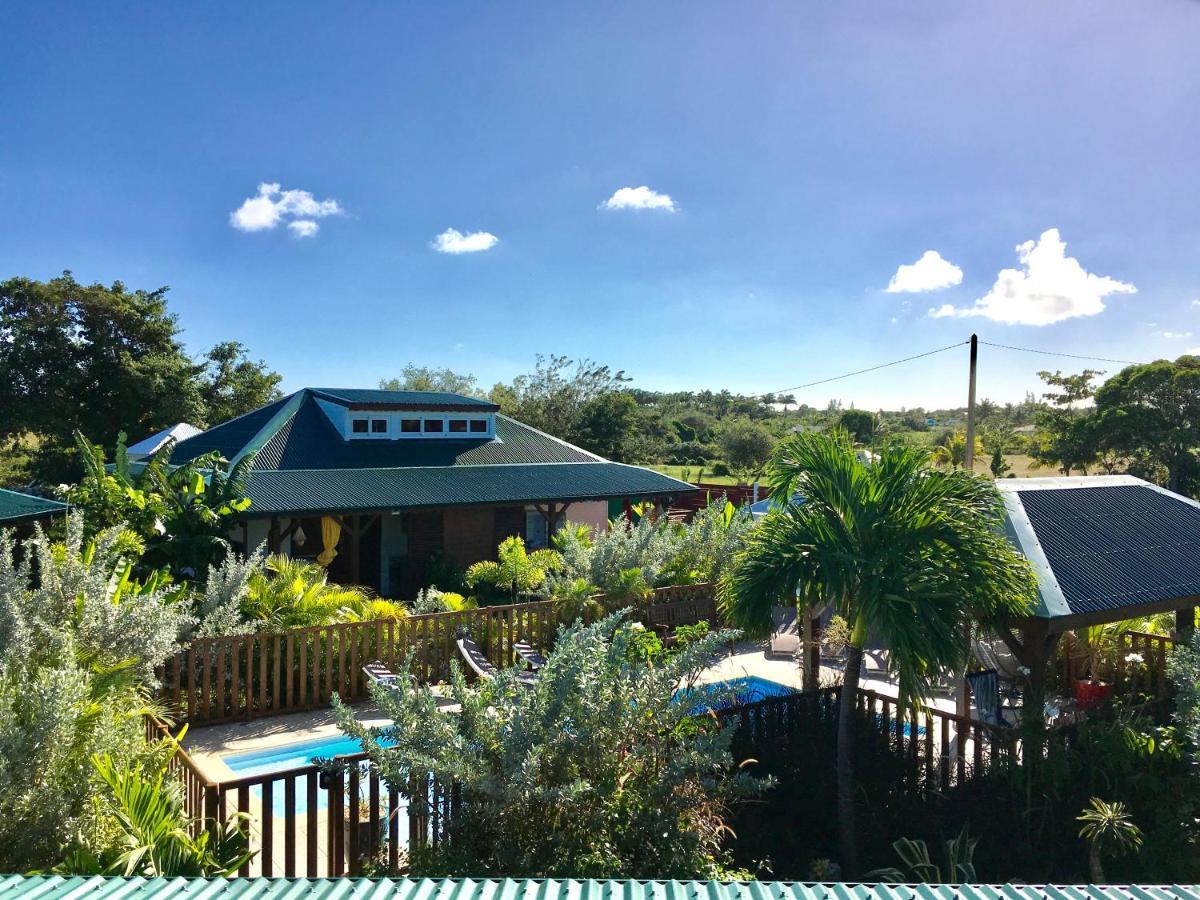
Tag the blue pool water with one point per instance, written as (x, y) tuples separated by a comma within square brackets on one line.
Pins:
[(718, 695)]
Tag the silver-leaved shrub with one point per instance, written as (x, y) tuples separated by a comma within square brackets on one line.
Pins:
[(596, 771)]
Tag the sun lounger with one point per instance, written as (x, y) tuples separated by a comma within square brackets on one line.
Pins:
[(785, 639), (985, 689), (478, 662), (377, 673), (525, 650)]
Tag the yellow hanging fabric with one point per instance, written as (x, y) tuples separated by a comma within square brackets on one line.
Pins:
[(331, 531)]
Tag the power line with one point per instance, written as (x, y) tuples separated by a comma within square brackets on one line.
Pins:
[(885, 365), (1126, 362)]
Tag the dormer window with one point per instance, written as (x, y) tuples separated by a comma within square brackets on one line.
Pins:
[(379, 426), (358, 426), (479, 426), (434, 426), (410, 426), (458, 426)]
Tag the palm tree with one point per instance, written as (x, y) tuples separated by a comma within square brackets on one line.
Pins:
[(904, 552), (295, 593), (1107, 827)]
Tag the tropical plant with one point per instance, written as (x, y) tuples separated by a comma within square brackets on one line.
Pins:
[(294, 593), (998, 465), (902, 551), (515, 572), (1107, 828), (155, 838), (593, 772), (576, 599), (432, 600), (952, 451), (917, 868)]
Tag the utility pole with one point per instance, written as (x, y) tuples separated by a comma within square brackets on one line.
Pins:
[(969, 455)]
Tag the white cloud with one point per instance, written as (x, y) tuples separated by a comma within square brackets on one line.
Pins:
[(1176, 334), (303, 227), (1049, 288), (929, 273), (1196, 302), (454, 241), (273, 205), (639, 198)]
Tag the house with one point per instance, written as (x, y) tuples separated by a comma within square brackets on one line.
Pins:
[(23, 510), (151, 445), (387, 488)]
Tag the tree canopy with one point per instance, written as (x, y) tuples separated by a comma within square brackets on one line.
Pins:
[(104, 359)]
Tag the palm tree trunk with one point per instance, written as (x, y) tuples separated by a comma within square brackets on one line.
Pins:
[(1095, 869), (847, 719)]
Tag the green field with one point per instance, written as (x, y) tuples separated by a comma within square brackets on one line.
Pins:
[(694, 474)]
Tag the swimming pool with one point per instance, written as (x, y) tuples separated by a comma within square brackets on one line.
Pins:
[(735, 692)]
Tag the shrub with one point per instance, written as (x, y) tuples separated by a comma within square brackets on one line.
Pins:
[(594, 772), (514, 573)]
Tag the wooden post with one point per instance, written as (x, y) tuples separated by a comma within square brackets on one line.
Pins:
[(969, 455), (273, 535), (355, 556), (1185, 624)]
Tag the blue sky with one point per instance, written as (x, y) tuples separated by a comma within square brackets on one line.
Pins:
[(808, 150)]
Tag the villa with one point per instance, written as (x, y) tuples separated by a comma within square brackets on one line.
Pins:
[(387, 487)]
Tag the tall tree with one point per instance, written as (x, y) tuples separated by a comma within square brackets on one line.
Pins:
[(231, 383), (1153, 411), (1066, 436), (606, 425), (424, 378), (904, 552), (863, 426), (746, 448), (552, 396), (90, 358)]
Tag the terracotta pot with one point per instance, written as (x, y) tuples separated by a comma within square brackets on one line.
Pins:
[(1090, 694)]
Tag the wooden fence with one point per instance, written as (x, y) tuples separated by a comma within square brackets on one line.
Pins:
[(1149, 676), (226, 679)]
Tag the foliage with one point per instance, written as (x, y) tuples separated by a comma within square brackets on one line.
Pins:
[(863, 426), (1108, 829), (154, 839), (552, 397), (515, 572), (654, 551), (79, 639), (432, 600), (423, 378), (1183, 667), (952, 450), (1153, 411), (295, 593), (902, 551), (1066, 435), (918, 868), (606, 425), (746, 447), (998, 465), (97, 359), (182, 513), (576, 599), (633, 787), (231, 384), (218, 610)]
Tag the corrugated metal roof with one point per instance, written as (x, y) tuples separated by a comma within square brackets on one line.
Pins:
[(228, 437), (1108, 543), (97, 888), (343, 490), (17, 507)]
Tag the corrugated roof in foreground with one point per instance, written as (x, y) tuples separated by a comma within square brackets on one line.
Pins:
[(97, 888), (17, 507)]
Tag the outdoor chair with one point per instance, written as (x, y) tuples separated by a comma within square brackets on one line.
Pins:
[(377, 673), (525, 650), (478, 662), (996, 655), (785, 638), (985, 689)]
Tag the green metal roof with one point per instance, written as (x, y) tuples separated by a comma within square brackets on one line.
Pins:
[(303, 464), (347, 490), (378, 399), (53, 887), (16, 507)]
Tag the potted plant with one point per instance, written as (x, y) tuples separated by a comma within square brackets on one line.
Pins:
[(1090, 692)]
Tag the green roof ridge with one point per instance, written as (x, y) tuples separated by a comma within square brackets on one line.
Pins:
[(273, 425)]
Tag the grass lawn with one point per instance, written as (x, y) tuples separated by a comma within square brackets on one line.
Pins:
[(694, 474)]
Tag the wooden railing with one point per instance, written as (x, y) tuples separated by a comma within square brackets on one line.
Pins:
[(242, 677), (327, 821), (1150, 675), (226, 679)]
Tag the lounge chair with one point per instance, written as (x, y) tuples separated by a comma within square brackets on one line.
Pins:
[(786, 638), (525, 650), (478, 662), (985, 689)]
